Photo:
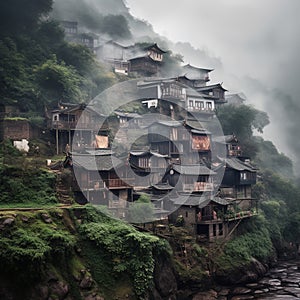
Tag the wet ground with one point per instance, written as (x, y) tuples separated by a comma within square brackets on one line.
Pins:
[(281, 282)]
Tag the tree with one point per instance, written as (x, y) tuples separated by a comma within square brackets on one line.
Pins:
[(58, 81), (141, 211), (18, 16), (242, 121)]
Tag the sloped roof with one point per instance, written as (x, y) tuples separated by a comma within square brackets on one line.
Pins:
[(168, 123), (237, 164), (146, 57), (188, 66), (128, 114), (142, 153), (226, 139), (156, 48), (198, 200), (96, 163), (162, 187), (210, 87), (193, 170)]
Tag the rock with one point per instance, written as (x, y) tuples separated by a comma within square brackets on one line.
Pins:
[(43, 292), (224, 292), (209, 295), (252, 285), (164, 278), (274, 282), (154, 295), (25, 219), (93, 297), (8, 221), (245, 274), (241, 290), (46, 218), (291, 280), (58, 289), (293, 291), (242, 297), (86, 282)]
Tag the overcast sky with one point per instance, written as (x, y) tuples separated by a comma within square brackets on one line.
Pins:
[(258, 43)]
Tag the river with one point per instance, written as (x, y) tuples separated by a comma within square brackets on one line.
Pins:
[(280, 282)]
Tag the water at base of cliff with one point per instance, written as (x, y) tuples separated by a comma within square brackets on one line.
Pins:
[(280, 282)]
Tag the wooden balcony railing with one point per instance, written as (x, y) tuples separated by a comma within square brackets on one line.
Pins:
[(93, 185), (200, 109), (119, 183), (198, 187), (229, 216), (78, 125)]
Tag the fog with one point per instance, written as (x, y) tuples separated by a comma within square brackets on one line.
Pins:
[(252, 46)]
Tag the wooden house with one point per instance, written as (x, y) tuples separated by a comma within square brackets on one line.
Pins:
[(187, 99), (146, 61), (199, 76), (70, 29), (230, 143), (197, 103), (167, 89), (202, 215), (237, 183), (180, 141), (144, 66), (235, 99), (78, 125), (115, 55), (190, 178), (129, 120), (102, 179), (148, 166), (214, 92)]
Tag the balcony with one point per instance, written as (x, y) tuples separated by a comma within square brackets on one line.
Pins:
[(200, 109), (198, 187), (229, 216), (71, 125), (119, 183), (93, 185)]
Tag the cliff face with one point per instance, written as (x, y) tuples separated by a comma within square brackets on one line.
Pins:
[(80, 253)]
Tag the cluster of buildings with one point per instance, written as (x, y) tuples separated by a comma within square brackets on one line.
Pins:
[(191, 176)]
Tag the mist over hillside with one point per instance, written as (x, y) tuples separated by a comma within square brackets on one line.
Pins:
[(113, 20)]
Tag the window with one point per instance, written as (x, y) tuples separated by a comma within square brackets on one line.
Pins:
[(221, 229), (191, 103), (209, 105), (243, 176), (214, 230), (186, 214), (143, 162)]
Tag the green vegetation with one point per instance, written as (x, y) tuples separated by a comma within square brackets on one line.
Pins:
[(141, 211), (253, 240), (276, 188), (120, 250), (38, 67)]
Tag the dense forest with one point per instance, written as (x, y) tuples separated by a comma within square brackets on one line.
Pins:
[(38, 69)]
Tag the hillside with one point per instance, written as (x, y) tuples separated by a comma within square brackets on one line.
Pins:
[(53, 248)]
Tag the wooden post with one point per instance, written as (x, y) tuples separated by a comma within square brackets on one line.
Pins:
[(56, 141)]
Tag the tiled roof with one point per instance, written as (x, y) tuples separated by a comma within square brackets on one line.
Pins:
[(193, 170), (236, 164), (96, 163), (210, 87), (162, 187), (198, 200)]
